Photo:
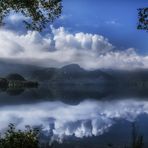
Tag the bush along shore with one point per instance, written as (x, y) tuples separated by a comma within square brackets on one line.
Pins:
[(16, 81), (31, 138)]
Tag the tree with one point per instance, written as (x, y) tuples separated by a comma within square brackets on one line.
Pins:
[(38, 12), (20, 139), (143, 18)]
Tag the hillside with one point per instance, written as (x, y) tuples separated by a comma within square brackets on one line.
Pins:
[(71, 74)]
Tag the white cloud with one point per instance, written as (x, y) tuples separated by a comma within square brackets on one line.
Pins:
[(113, 22), (61, 47), (89, 118), (14, 21), (80, 41), (15, 18), (65, 16)]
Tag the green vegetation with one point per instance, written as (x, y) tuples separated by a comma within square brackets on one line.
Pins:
[(38, 12), (20, 139), (30, 138), (143, 18), (13, 81), (137, 139)]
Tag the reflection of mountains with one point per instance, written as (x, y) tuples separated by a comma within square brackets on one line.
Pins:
[(74, 84), (70, 94), (77, 93), (13, 92)]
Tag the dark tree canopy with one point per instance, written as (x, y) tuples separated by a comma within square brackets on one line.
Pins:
[(40, 12), (14, 138), (143, 18)]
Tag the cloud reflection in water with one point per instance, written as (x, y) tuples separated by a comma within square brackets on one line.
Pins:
[(89, 118)]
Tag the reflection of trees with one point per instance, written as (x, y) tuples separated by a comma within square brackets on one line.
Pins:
[(14, 92), (15, 84), (16, 87), (136, 139), (13, 137)]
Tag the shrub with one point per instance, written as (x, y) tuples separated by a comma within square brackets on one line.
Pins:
[(14, 138)]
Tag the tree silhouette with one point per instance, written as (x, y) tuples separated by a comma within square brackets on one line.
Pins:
[(38, 12), (14, 138), (143, 18)]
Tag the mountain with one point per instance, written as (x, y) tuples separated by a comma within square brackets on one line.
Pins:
[(72, 73), (72, 68)]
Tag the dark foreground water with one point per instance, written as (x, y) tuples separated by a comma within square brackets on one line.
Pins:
[(77, 117)]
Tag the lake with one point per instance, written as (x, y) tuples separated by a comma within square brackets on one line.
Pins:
[(76, 117)]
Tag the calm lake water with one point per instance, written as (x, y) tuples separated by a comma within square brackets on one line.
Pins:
[(77, 116)]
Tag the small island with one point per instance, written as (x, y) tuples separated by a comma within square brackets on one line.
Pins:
[(16, 81)]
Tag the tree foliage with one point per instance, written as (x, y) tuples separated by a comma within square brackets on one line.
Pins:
[(38, 12), (143, 18), (20, 139)]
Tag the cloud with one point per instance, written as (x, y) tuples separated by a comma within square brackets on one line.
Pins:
[(60, 47), (15, 18), (65, 16), (14, 22), (87, 119), (113, 22)]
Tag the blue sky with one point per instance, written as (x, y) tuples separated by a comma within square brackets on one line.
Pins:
[(92, 33), (114, 19)]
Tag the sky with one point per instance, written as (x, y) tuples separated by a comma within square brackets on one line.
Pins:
[(94, 34), (114, 19)]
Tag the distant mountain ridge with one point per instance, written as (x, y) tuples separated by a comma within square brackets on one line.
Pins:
[(72, 74)]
